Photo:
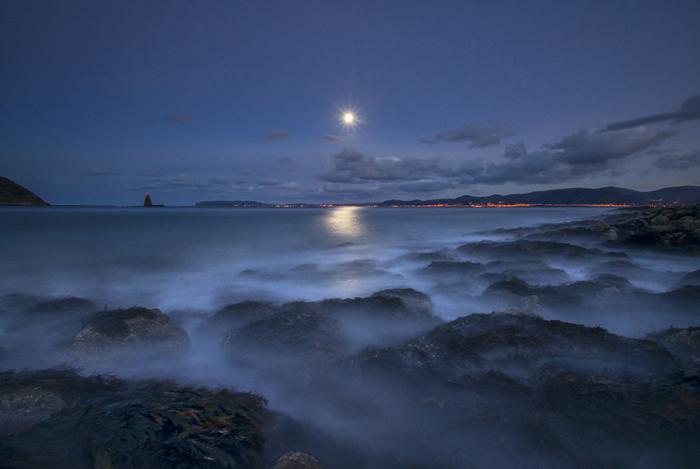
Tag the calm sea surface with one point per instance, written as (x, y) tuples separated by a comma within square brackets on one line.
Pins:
[(200, 258)]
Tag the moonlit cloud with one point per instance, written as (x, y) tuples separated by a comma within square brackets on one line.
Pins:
[(679, 162), (474, 135), (690, 110), (574, 157)]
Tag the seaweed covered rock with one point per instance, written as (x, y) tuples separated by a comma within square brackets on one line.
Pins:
[(517, 293), (125, 328), (691, 278), (520, 344), (416, 303), (452, 270), (330, 328), (684, 343), (664, 228), (58, 418), (298, 328), (64, 305), (667, 228), (523, 250)]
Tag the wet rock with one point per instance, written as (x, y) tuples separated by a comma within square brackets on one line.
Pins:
[(511, 291), (686, 298), (299, 328), (684, 343), (64, 305), (520, 344), (691, 278), (243, 312), (452, 270), (297, 460), (416, 302), (104, 422), (531, 271), (430, 256), (124, 328), (666, 228), (526, 250), (330, 328)]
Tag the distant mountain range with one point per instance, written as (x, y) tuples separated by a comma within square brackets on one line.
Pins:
[(248, 204), (12, 193), (232, 204), (574, 196), (686, 195)]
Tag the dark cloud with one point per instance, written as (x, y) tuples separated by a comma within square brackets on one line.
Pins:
[(330, 138), (594, 149), (275, 135), (575, 156), (477, 137), (690, 110), (679, 162), (178, 120), (100, 173)]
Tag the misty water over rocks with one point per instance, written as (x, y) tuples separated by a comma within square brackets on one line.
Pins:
[(538, 337)]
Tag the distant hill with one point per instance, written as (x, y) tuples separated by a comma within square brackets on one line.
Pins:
[(233, 204), (574, 196), (12, 193)]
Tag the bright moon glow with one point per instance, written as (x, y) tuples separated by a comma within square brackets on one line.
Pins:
[(349, 118)]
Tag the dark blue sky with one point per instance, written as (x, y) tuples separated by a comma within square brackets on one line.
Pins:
[(103, 101)]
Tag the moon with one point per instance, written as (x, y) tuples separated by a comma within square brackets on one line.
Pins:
[(349, 118)]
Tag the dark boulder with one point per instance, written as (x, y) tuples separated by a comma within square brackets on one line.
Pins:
[(452, 270), (520, 344), (684, 343), (64, 305), (416, 303), (125, 328), (691, 278), (330, 328), (520, 250), (298, 328)]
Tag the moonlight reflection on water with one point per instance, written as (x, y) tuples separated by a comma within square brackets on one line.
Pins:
[(345, 221)]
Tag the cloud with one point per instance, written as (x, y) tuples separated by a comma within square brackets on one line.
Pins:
[(351, 166), (594, 149), (576, 156), (679, 162), (477, 137), (690, 110), (178, 120), (330, 138), (275, 135)]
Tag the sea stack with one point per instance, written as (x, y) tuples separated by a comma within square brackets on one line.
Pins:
[(147, 202)]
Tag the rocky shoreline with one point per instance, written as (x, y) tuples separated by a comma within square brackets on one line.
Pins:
[(383, 380)]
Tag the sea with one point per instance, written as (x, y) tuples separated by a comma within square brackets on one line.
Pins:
[(200, 259)]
